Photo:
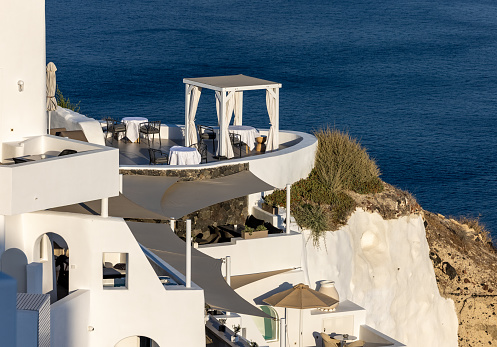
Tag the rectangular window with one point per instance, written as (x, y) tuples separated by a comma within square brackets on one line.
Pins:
[(115, 270)]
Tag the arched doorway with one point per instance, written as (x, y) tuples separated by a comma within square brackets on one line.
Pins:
[(268, 327), (53, 252), (137, 341)]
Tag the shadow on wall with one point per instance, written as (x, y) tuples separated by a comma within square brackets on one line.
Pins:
[(284, 286)]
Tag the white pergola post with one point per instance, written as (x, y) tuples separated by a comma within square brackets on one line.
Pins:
[(188, 253), (287, 226), (104, 207), (187, 111), (223, 151), (277, 126), (172, 223)]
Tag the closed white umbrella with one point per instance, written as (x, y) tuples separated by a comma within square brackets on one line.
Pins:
[(51, 85)]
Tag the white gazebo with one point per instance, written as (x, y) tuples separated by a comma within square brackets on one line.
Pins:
[(229, 99)]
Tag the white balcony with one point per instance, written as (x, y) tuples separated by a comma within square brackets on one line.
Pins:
[(47, 180)]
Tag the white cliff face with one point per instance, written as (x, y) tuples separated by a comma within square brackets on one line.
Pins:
[(384, 266)]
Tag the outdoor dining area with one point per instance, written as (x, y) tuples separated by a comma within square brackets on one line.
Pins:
[(145, 141)]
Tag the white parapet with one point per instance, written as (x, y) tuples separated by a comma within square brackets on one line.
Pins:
[(51, 180)]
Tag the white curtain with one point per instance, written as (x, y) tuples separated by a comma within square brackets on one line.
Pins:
[(238, 108), (228, 111), (192, 131), (272, 140)]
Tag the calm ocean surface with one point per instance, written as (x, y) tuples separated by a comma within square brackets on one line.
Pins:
[(415, 81)]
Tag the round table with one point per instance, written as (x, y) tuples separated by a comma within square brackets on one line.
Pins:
[(179, 155), (247, 134), (133, 127)]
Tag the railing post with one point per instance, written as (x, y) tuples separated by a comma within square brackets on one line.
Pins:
[(228, 270), (288, 187), (188, 253), (104, 208)]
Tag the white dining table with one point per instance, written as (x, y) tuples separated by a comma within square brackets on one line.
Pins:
[(179, 155), (133, 127), (247, 134)]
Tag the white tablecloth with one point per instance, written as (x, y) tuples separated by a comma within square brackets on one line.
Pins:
[(247, 134), (133, 127), (179, 155)]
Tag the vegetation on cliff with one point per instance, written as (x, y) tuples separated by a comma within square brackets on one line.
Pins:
[(323, 200)]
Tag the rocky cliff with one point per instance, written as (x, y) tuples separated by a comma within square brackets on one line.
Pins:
[(424, 279)]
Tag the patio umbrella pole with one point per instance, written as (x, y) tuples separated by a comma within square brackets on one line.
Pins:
[(300, 328)]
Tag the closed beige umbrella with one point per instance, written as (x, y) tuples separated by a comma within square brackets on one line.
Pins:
[(300, 297), (51, 86)]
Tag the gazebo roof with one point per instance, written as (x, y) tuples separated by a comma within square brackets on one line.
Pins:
[(232, 82)]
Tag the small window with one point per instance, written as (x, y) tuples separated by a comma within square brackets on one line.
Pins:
[(115, 270)]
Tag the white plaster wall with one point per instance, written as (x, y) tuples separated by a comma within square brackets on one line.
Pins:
[(22, 57), (69, 319), (172, 317), (383, 266), (275, 252)]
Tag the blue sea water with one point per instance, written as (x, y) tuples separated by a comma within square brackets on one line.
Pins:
[(414, 80)]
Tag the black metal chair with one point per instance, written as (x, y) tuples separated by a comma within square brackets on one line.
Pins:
[(157, 156), (202, 149), (114, 127), (151, 128), (207, 133), (67, 152), (236, 141)]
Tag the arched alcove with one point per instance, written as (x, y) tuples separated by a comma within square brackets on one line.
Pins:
[(13, 263), (137, 341), (268, 327)]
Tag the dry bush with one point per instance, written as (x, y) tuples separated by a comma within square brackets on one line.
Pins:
[(479, 228), (343, 164)]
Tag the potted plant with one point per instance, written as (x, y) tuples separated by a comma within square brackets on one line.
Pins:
[(222, 327), (236, 330), (251, 233)]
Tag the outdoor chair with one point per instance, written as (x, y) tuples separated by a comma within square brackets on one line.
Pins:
[(201, 147), (150, 128), (329, 341), (207, 133), (114, 127), (236, 141), (157, 156)]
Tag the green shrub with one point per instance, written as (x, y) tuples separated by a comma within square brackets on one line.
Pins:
[(343, 164), (311, 217), (66, 103), (261, 227), (320, 202)]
